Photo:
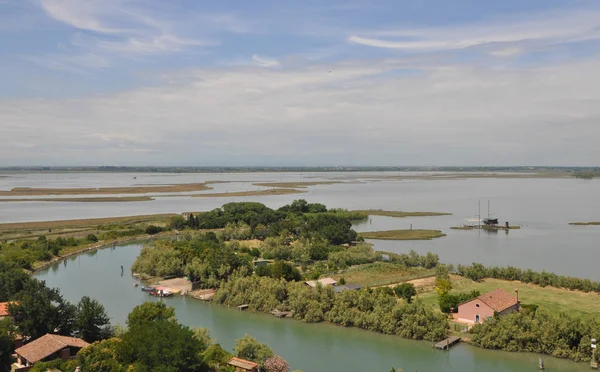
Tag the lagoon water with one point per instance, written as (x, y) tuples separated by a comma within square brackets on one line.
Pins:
[(309, 347), (544, 207)]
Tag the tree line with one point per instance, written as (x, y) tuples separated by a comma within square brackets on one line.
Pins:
[(372, 309), (478, 272)]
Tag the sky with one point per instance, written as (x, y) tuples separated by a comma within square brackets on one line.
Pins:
[(241, 83)]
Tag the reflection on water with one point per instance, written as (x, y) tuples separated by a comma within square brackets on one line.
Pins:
[(309, 347)]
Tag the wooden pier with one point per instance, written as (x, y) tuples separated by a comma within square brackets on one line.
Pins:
[(447, 343)]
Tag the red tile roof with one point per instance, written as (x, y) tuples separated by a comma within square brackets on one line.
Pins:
[(4, 309), (47, 345), (242, 363), (498, 299)]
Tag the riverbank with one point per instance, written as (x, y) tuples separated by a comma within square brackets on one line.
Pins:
[(40, 265), (79, 228)]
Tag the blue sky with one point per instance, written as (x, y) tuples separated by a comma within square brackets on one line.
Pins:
[(182, 82)]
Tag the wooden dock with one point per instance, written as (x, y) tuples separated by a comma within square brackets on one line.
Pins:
[(447, 343), (243, 307)]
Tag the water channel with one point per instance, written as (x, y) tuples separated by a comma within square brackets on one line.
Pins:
[(309, 347)]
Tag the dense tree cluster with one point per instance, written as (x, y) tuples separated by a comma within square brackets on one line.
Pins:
[(247, 220), (155, 341), (372, 309), (538, 331), (478, 272), (36, 310)]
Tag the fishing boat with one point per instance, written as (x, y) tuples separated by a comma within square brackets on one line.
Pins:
[(161, 293), (147, 289)]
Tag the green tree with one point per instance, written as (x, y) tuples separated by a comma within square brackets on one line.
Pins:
[(12, 281), (162, 346), (150, 312), (6, 342), (39, 310), (249, 348), (101, 356), (153, 230), (92, 322), (91, 238), (406, 291), (178, 223)]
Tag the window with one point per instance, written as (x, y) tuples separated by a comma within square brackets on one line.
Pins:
[(476, 305), (477, 318)]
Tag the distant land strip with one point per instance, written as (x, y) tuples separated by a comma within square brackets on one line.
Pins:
[(184, 187), (148, 218), (593, 223), (111, 199), (295, 185), (399, 214), (281, 191)]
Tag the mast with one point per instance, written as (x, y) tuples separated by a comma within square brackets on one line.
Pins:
[(488, 208), (479, 212)]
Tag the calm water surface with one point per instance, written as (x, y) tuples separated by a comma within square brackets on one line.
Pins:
[(309, 347), (544, 207)]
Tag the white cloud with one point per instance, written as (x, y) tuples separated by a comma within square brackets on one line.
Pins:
[(553, 27), (111, 29), (450, 114), (265, 62), (507, 52)]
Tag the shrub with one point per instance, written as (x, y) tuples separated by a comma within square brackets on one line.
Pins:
[(152, 230)]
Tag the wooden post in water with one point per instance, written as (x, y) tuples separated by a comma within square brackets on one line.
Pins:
[(541, 365)]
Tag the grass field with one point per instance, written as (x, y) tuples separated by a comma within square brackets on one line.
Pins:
[(111, 199), (551, 299), (593, 223), (295, 185), (402, 234), (76, 228), (281, 191), (400, 214), (185, 187), (380, 273)]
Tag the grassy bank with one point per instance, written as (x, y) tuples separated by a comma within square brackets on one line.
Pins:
[(111, 199), (186, 187), (593, 223), (381, 273), (551, 299), (399, 214), (78, 228), (403, 234), (295, 185), (280, 191)]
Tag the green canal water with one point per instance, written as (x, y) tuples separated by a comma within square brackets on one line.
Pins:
[(309, 347)]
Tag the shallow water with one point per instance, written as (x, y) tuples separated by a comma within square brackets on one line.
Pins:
[(309, 347), (544, 207)]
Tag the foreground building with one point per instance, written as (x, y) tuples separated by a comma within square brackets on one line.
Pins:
[(485, 306), (45, 349), (243, 365)]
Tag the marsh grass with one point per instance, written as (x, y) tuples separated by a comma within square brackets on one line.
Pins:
[(402, 234)]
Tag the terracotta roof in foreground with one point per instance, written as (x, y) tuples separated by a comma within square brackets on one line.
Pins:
[(47, 345), (498, 299), (4, 308), (242, 363)]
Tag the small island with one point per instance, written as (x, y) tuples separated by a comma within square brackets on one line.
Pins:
[(402, 235)]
